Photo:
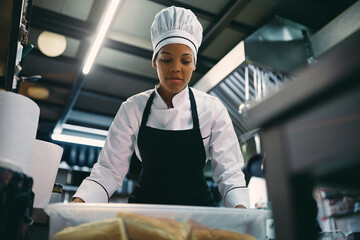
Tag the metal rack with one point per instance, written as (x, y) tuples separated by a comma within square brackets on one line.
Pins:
[(310, 133), (246, 84), (14, 33)]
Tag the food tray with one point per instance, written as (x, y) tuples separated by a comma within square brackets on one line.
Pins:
[(250, 221)]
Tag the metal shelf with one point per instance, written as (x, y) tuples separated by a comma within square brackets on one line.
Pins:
[(15, 31), (310, 133)]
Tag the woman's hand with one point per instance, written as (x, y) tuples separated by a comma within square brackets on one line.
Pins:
[(240, 206), (77, 200)]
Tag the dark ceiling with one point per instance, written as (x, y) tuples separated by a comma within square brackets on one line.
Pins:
[(123, 66)]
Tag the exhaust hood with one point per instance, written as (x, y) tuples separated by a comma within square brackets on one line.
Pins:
[(256, 67)]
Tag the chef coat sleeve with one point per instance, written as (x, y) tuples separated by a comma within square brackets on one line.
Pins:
[(113, 163), (226, 159)]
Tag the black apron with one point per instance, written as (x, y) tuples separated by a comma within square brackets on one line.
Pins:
[(173, 162)]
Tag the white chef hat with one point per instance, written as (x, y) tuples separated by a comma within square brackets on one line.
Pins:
[(176, 25)]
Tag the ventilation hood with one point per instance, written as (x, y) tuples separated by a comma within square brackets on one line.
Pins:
[(260, 64)]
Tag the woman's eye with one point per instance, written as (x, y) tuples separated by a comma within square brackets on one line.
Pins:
[(186, 61), (165, 60)]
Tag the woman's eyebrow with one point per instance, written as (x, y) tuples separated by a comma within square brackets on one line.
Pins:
[(185, 54)]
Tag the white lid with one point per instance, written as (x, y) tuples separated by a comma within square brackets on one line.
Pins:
[(6, 163)]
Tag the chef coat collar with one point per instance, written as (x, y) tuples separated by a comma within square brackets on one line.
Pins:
[(177, 100)]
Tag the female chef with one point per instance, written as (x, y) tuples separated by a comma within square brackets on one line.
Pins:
[(174, 129)]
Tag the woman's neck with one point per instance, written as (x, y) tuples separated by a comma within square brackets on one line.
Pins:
[(166, 96)]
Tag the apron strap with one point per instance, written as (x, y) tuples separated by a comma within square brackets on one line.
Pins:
[(194, 110), (147, 109)]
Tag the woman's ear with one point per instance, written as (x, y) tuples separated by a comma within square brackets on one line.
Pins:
[(154, 64)]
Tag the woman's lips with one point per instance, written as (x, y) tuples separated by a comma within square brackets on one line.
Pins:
[(174, 79)]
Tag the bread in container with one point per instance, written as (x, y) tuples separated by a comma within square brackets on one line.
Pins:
[(113, 229), (198, 231), (141, 227)]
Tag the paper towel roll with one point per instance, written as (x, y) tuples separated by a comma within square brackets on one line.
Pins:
[(44, 167), (19, 118)]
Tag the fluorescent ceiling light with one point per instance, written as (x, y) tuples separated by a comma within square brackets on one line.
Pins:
[(107, 17), (78, 140), (85, 129)]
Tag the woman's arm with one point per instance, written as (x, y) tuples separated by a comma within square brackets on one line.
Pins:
[(240, 206), (113, 162), (227, 159), (77, 200)]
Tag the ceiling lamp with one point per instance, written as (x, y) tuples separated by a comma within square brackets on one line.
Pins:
[(104, 25), (78, 140), (38, 92), (51, 44)]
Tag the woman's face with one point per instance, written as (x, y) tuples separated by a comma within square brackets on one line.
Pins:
[(174, 64)]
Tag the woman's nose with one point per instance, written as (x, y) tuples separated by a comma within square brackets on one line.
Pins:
[(175, 67)]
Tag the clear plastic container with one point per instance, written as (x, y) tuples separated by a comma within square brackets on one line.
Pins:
[(333, 235), (250, 221)]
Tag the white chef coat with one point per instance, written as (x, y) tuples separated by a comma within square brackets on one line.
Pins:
[(220, 142)]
